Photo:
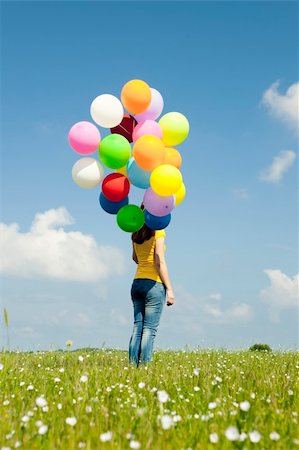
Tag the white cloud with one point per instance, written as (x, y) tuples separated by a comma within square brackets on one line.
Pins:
[(190, 310), (283, 106), (216, 296), (240, 312), (282, 293), (47, 250), (279, 166)]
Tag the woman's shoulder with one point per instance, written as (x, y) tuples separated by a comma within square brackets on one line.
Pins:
[(159, 233)]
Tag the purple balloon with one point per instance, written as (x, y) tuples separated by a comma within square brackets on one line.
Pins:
[(157, 205), (155, 108)]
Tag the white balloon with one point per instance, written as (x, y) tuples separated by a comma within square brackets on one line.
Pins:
[(87, 172), (154, 109), (107, 111)]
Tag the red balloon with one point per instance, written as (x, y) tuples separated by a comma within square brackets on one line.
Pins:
[(126, 127), (115, 187)]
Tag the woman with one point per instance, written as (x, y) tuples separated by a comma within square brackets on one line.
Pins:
[(149, 289)]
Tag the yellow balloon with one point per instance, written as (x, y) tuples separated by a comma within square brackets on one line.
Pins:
[(180, 195), (166, 180), (175, 128), (122, 170)]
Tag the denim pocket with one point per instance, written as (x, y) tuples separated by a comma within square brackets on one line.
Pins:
[(159, 291)]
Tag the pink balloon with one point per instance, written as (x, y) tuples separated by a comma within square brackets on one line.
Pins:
[(84, 137), (157, 205), (147, 127), (155, 107)]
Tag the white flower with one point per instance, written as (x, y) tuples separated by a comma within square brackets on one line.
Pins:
[(105, 437), (290, 392), (10, 435), (57, 380), (243, 436), (214, 438), (41, 401), (196, 388), (80, 358), (88, 409), (84, 378), (274, 436), (244, 406), (71, 421), (25, 419), (43, 429), (232, 433), (140, 385), (177, 418), (140, 411), (254, 436), (18, 444), (30, 387), (1, 366), (6, 402), (129, 435), (166, 422), (82, 444), (38, 423), (196, 371), (134, 444), (69, 343), (59, 405), (163, 397), (61, 370), (212, 405), (22, 383)]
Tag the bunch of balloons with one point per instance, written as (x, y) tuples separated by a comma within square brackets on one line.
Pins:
[(139, 151)]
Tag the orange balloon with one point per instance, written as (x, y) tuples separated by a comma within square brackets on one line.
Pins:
[(136, 96), (149, 152), (173, 157)]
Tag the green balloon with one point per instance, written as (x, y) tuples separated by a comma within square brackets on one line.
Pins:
[(130, 218), (114, 151)]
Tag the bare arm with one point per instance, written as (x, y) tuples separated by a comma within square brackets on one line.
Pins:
[(134, 256), (162, 270)]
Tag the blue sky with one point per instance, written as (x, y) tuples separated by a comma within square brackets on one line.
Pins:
[(232, 244)]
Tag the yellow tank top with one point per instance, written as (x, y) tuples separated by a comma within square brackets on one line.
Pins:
[(146, 257)]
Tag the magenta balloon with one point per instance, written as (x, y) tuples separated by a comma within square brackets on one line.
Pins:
[(84, 137), (155, 108), (157, 205), (147, 127)]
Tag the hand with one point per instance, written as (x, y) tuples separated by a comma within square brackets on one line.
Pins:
[(170, 297)]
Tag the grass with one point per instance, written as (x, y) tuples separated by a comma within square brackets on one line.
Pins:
[(201, 402)]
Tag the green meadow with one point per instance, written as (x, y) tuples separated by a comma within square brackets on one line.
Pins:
[(198, 399)]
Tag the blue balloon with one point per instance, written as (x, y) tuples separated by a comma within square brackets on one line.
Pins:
[(137, 176), (155, 222), (112, 207)]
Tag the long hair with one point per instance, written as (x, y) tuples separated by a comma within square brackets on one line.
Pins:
[(144, 234)]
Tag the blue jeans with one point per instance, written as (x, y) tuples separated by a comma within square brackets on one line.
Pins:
[(148, 297)]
